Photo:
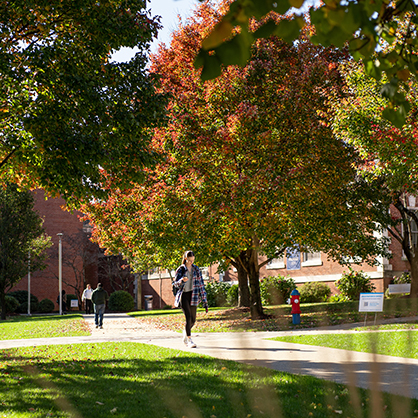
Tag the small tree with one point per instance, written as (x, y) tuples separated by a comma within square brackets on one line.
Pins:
[(78, 253), (352, 283), (21, 234), (114, 268)]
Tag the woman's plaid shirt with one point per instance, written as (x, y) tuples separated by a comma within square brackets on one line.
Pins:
[(198, 292)]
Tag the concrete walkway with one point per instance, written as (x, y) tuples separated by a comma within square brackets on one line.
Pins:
[(377, 372)]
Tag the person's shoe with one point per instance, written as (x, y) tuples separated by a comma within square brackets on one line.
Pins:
[(191, 344), (97, 326), (184, 337), (101, 327)]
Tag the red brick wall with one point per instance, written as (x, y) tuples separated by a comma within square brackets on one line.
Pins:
[(152, 287), (44, 284)]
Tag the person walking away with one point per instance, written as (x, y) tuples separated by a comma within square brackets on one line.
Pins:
[(191, 291), (99, 298), (86, 298), (63, 303)]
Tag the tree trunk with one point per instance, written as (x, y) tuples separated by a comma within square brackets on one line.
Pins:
[(244, 291), (255, 297), (249, 260), (413, 261), (3, 305)]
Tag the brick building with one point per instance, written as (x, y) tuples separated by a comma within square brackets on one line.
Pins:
[(92, 267), (44, 284)]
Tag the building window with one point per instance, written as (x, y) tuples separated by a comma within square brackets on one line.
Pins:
[(311, 259), (276, 263), (205, 272)]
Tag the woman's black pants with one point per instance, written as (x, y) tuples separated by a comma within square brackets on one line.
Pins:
[(189, 311)]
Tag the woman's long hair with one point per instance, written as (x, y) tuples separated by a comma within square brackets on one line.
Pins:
[(187, 254)]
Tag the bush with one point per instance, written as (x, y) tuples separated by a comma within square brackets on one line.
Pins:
[(121, 301), (338, 298), (22, 297), (276, 290), (232, 295), (46, 306), (405, 277), (11, 304), (312, 292), (353, 283), (217, 293), (402, 279)]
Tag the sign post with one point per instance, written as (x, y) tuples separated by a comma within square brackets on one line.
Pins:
[(371, 302)]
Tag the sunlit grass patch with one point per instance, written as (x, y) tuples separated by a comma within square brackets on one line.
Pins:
[(399, 343), (46, 326), (138, 380)]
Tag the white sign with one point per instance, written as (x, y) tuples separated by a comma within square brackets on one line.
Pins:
[(74, 303), (399, 288), (371, 302)]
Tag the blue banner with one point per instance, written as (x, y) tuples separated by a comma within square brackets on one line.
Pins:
[(292, 259)]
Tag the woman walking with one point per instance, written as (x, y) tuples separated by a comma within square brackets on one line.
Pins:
[(191, 291)]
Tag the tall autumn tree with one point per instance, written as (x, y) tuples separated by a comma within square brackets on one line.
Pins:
[(21, 234), (67, 111), (389, 155), (252, 166)]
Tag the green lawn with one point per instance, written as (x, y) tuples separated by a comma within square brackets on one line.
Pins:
[(396, 343), (139, 380), (22, 327)]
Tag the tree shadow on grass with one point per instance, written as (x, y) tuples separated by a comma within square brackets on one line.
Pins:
[(136, 380)]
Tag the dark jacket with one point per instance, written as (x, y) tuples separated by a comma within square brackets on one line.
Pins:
[(99, 296)]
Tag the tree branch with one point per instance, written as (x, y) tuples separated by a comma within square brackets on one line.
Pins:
[(4, 162)]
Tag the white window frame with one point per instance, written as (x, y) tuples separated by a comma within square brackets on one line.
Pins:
[(315, 259), (276, 263)]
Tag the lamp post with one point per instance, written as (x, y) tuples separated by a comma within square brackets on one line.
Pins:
[(60, 270)]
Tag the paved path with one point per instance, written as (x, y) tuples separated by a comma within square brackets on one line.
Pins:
[(377, 372)]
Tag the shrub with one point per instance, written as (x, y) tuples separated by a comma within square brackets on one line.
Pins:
[(217, 293), (46, 306), (353, 283), (404, 278), (338, 298), (11, 304), (121, 301), (276, 290), (22, 297), (232, 295), (312, 292)]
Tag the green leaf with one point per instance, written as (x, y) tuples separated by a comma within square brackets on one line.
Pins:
[(397, 118), (266, 30), (235, 51), (211, 67), (389, 90), (222, 30), (373, 69), (289, 30)]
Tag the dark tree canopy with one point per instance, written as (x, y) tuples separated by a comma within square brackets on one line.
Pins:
[(67, 112)]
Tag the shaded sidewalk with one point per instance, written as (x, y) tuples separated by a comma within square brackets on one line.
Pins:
[(396, 375)]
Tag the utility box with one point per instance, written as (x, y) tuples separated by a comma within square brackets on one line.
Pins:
[(148, 302)]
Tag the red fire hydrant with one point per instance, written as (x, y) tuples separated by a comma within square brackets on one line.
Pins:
[(295, 301)]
